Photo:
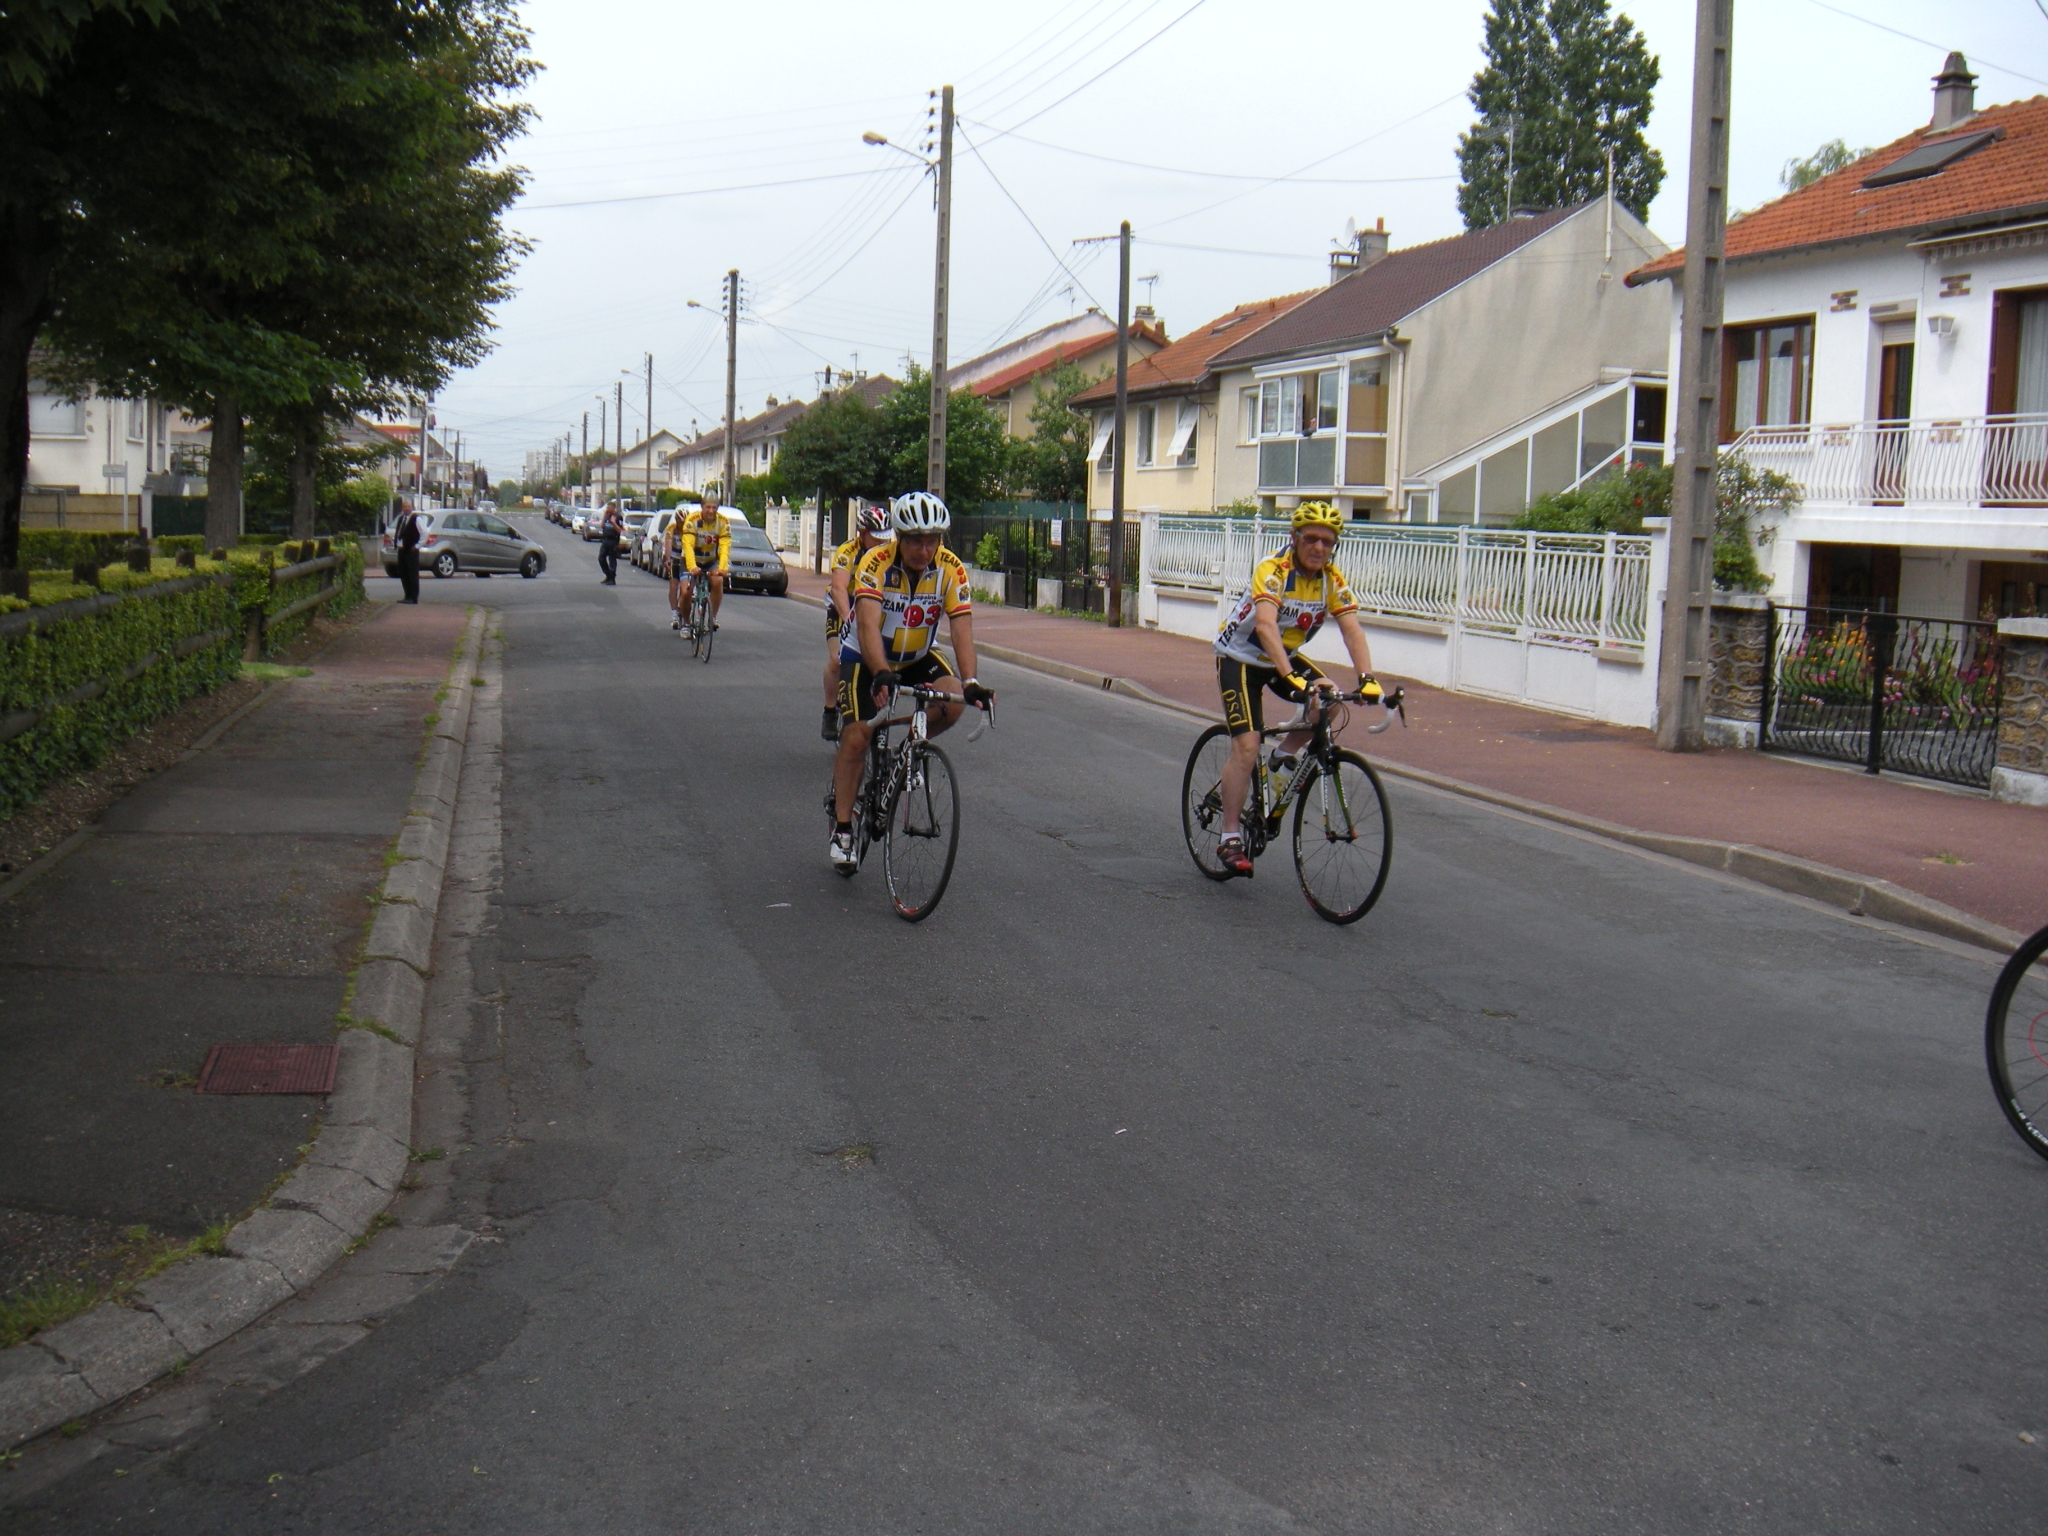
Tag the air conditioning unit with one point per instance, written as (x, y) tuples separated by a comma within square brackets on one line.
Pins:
[(1943, 326)]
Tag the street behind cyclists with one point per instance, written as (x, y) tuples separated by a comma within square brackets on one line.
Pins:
[(900, 591), (1259, 647), (707, 553), (871, 527)]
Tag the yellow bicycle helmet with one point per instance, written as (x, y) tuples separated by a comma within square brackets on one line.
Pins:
[(1318, 514)]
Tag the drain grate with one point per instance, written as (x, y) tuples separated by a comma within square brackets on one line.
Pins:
[(268, 1069)]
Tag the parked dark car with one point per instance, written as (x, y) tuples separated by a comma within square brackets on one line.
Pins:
[(756, 567)]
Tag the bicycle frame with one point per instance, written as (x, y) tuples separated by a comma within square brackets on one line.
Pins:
[(1327, 722)]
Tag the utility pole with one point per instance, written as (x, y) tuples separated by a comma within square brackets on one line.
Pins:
[(647, 457), (455, 465), (726, 489), (419, 463), (584, 473), (1696, 396), (942, 277), (1123, 402), (619, 431)]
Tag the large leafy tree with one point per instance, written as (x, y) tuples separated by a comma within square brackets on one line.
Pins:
[(1563, 84), (189, 176), (980, 453), (834, 449), (1053, 461)]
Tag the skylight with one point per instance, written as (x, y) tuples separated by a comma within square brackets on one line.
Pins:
[(1930, 158)]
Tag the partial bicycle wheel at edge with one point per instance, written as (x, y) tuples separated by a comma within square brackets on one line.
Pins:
[(1343, 839), (1201, 800), (923, 835), (2016, 1042)]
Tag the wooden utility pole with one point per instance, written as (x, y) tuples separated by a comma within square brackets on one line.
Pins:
[(583, 474), (935, 455), (1696, 396), (1115, 615), (728, 489), (619, 433), (647, 456)]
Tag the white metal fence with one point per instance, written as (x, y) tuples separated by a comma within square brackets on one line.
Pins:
[(1587, 590), (1970, 462)]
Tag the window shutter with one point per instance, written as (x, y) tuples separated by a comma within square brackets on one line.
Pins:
[(1183, 429), (1105, 424)]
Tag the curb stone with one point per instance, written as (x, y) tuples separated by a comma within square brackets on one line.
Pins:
[(349, 1175), (1857, 895)]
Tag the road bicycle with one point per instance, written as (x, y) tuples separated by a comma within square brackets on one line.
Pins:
[(697, 623), (2016, 1041), (909, 803), (1343, 831)]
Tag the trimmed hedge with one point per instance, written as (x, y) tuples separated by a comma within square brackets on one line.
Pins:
[(72, 638), (50, 655)]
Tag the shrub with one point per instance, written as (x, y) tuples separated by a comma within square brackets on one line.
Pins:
[(988, 552)]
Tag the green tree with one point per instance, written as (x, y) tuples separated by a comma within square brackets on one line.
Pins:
[(835, 449), (1748, 504), (1830, 157), (979, 452), (1562, 85), (1053, 461)]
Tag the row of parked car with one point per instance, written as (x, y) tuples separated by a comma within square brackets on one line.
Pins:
[(756, 567)]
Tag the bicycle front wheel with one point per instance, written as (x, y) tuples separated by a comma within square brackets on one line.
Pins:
[(2016, 1042), (1201, 800), (1343, 838), (923, 834)]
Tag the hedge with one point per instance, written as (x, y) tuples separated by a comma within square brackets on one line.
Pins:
[(84, 668)]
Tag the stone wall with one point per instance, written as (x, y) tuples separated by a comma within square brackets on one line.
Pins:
[(1736, 643), (2022, 771)]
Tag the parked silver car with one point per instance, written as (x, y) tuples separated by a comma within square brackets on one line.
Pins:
[(481, 542)]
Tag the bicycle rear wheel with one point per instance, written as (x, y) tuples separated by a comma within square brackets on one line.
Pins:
[(923, 834), (1201, 800), (2016, 1042), (1343, 838)]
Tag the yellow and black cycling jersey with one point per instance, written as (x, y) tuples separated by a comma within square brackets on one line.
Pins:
[(844, 558), (1304, 601), (705, 539), (911, 604)]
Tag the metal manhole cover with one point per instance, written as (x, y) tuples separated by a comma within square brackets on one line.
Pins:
[(268, 1069)]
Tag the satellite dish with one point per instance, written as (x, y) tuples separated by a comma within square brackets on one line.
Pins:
[(1351, 231)]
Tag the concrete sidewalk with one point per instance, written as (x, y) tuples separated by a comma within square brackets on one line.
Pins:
[(223, 901), (1980, 856)]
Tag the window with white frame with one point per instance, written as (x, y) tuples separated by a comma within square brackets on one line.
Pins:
[(1148, 428), (1297, 415), (1248, 415), (54, 416), (1181, 451), (137, 418)]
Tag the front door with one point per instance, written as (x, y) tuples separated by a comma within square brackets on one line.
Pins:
[(499, 542), (1894, 408)]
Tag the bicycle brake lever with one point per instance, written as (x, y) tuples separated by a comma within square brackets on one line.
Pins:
[(988, 722)]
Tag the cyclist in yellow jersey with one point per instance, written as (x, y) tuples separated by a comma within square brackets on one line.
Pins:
[(871, 527), (672, 565), (1291, 595), (707, 552), (900, 591)]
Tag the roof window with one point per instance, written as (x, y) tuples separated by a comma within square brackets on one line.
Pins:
[(1929, 159)]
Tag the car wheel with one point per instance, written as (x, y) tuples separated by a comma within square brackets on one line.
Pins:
[(444, 564), (530, 566), (780, 589)]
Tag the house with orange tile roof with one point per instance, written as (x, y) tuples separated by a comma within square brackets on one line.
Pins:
[(1007, 377), (1885, 345), (1448, 382), (1174, 417)]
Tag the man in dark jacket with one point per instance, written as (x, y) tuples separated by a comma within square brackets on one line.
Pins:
[(612, 530), (407, 538)]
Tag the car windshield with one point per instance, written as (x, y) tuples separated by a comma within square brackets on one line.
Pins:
[(749, 538)]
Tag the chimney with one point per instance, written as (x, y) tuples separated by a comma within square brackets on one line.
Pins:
[(1144, 314), (1372, 244), (1955, 94), (773, 402)]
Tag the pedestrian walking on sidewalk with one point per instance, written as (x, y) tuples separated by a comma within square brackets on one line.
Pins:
[(611, 531), (407, 539)]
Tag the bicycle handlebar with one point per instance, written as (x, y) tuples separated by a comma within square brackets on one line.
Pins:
[(925, 695)]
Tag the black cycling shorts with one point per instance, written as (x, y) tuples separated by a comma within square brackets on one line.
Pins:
[(857, 690), (832, 620), (1244, 687)]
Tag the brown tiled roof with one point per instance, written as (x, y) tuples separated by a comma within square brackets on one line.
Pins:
[(1370, 301), (2006, 177), (777, 418), (1061, 352), (1187, 361)]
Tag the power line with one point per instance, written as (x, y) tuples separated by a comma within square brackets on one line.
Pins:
[(1178, 170), (1085, 42), (1077, 90), (1924, 43), (914, 187), (1320, 160), (992, 176), (649, 197), (1225, 250)]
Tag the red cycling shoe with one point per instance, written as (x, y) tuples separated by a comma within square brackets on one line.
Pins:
[(1231, 855)]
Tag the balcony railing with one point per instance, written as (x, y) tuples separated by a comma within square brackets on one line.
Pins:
[(1972, 461)]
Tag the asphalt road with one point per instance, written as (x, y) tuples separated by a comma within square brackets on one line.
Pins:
[(1572, 1191)]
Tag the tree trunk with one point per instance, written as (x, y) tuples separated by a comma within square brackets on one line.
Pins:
[(305, 466), (224, 475), (29, 263)]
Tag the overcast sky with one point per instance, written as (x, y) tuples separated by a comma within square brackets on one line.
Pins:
[(647, 109)]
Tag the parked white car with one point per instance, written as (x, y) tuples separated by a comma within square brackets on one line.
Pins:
[(647, 548)]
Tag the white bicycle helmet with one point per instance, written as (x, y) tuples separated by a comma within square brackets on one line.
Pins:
[(919, 512)]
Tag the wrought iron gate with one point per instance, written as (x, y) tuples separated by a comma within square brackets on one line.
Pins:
[(1885, 690)]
